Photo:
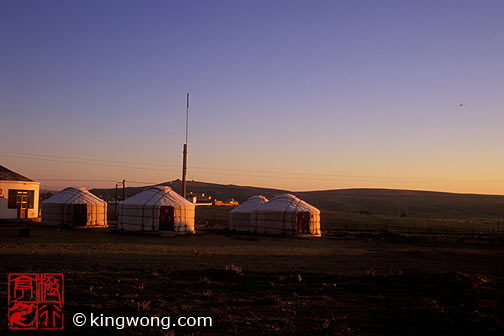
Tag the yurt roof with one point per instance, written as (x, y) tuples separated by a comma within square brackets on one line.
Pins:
[(288, 203), (251, 204), (158, 195), (9, 175), (74, 196)]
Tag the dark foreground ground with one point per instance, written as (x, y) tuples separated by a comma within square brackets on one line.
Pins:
[(363, 284)]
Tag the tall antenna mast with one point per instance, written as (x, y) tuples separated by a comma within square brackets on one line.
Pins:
[(184, 165), (187, 118)]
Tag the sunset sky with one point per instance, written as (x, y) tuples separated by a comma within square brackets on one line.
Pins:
[(299, 95)]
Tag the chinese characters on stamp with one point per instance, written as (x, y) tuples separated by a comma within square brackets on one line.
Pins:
[(36, 301)]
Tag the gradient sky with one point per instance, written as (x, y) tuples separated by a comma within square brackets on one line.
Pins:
[(300, 95)]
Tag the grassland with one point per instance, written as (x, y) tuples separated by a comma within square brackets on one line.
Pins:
[(350, 283), (334, 222), (378, 202)]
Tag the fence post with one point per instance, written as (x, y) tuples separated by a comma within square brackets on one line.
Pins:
[(498, 222)]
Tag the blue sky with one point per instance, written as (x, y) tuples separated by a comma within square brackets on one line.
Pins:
[(291, 94)]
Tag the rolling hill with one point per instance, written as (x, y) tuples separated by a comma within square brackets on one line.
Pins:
[(388, 202)]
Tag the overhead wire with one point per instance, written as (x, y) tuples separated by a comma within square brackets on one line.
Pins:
[(207, 170), (39, 157)]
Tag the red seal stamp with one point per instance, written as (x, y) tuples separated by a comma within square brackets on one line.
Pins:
[(36, 301)]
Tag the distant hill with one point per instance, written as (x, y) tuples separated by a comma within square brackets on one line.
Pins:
[(412, 203), (218, 191), (388, 202)]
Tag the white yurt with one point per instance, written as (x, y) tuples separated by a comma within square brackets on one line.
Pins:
[(239, 217), (157, 208), (286, 215), (75, 207)]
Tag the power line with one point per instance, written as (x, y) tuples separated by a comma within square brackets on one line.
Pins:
[(28, 156), (86, 163), (164, 170), (207, 170), (76, 180), (343, 192), (91, 159)]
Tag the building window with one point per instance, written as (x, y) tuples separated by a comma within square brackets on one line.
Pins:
[(17, 195)]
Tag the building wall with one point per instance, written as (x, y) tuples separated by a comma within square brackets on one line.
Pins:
[(226, 203), (7, 213)]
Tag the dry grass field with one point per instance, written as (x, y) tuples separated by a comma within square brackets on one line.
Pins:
[(347, 284), (333, 222), (377, 202)]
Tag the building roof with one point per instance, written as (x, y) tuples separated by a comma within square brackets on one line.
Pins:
[(9, 175), (74, 196), (158, 196), (287, 203), (251, 204)]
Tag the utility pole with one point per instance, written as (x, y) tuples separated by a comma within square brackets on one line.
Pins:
[(499, 221), (116, 203), (117, 195), (184, 164)]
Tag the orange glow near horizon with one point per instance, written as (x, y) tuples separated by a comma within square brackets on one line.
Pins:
[(59, 174)]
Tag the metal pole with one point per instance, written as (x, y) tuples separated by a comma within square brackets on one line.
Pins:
[(124, 190), (116, 196), (187, 118), (184, 169), (499, 221), (184, 164)]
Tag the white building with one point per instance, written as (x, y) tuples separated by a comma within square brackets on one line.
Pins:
[(19, 196), (75, 207), (286, 215), (240, 217), (157, 208)]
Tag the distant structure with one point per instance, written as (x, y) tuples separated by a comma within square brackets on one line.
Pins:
[(75, 207), (199, 199), (202, 199), (19, 196), (229, 202), (240, 217), (286, 215), (157, 209)]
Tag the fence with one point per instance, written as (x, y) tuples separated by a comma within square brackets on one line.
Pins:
[(217, 217), (415, 225)]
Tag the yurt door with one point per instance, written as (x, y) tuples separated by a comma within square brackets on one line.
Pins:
[(22, 204), (166, 218), (80, 214), (303, 223)]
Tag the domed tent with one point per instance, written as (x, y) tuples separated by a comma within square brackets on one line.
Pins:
[(157, 208), (286, 215), (239, 217), (75, 207)]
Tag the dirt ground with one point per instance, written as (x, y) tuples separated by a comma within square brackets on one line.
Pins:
[(365, 284)]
